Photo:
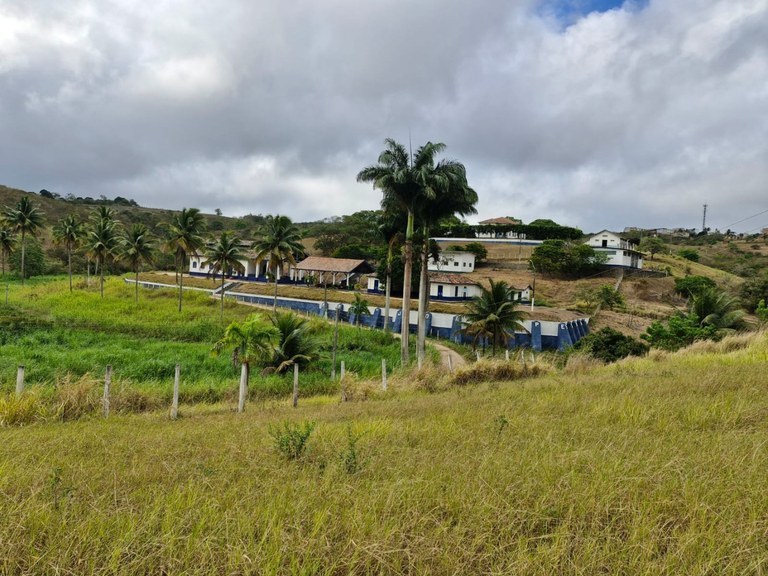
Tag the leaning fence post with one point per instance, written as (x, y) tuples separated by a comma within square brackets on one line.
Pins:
[(243, 387), (107, 384), (384, 374), (450, 364), (20, 380), (477, 353), (175, 403), (506, 354), (295, 385)]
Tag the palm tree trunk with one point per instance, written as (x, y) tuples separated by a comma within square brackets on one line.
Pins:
[(387, 290), (23, 247), (69, 266), (181, 279), (386, 300), (136, 285), (423, 288), (406, 315), (274, 302), (222, 294), (101, 277)]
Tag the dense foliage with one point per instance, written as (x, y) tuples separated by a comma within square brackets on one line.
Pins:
[(559, 257), (693, 285), (678, 331), (610, 345)]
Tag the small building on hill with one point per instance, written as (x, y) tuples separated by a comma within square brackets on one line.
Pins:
[(621, 252), (452, 261), (498, 228)]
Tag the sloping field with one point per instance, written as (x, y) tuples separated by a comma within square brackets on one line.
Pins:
[(653, 466)]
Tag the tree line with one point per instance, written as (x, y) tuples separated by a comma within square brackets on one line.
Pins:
[(102, 239)]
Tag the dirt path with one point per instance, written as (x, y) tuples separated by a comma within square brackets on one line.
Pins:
[(456, 359)]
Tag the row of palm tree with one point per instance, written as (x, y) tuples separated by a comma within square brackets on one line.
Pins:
[(104, 239), (425, 191)]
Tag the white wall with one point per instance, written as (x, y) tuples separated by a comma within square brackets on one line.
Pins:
[(453, 262)]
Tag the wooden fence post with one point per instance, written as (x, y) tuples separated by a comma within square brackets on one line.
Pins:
[(477, 353), (450, 364), (20, 380), (343, 387), (175, 403), (107, 384), (384, 374), (506, 354), (295, 385), (243, 387), (335, 342)]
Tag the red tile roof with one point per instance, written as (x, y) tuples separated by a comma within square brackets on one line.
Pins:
[(441, 278)]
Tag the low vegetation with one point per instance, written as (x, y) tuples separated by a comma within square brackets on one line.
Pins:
[(652, 465)]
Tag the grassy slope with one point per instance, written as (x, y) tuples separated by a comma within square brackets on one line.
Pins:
[(650, 466)]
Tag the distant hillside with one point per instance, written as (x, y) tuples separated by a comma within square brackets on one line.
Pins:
[(127, 211)]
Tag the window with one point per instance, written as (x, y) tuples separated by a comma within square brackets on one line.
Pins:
[(455, 264), (194, 263)]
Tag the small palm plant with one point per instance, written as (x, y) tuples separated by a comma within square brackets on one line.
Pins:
[(359, 308), (295, 344), (493, 315), (718, 309)]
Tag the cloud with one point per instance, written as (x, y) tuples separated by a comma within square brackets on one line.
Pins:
[(631, 114)]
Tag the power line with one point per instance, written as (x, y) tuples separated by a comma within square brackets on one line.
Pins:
[(747, 218)]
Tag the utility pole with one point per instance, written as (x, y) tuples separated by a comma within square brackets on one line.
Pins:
[(704, 220)]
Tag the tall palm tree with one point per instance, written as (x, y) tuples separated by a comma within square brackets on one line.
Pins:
[(185, 238), (224, 255), (280, 243), (403, 179), (26, 218), (137, 247), (451, 195), (68, 231), (390, 229), (102, 243), (493, 314), (7, 244)]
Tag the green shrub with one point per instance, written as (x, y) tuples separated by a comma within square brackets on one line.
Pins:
[(679, 331), (689, 254), (610, 345), (609, 296), (693, 285), (291, 439)]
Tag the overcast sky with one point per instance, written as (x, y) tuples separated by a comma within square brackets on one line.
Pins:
[(594, 113)]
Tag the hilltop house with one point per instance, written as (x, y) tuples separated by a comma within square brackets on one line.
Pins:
[(621, 252), (452, 261), (486, 229)]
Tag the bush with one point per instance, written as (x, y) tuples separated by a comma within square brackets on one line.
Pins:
[(693, 285), (610, 345), (678, 332), (609, 296), (291, 439), (689, 254)]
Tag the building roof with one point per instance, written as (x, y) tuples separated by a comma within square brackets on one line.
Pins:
[(344, 265), (442, 278), (502, 221)]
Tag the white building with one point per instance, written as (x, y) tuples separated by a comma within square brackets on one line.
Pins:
[(620, 251), (452, 261), (443, 286)]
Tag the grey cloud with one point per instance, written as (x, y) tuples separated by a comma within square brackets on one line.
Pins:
[(634, 114)]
